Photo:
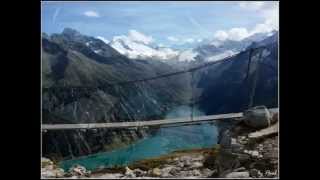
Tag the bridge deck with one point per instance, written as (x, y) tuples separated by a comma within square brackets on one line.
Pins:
[(144, 123)]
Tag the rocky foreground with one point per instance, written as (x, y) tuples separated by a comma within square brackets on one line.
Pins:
[(244, 151)]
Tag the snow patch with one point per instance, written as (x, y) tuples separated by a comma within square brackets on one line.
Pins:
[(221, 56)]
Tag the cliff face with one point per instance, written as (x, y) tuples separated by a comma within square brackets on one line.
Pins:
[(70, 144), (230, 86)]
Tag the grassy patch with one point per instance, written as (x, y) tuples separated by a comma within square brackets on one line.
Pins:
[(165, 159)]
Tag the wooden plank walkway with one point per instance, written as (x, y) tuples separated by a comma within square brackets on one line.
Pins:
[(145, 123)]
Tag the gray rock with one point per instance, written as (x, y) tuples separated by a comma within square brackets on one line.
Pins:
[(139, 172), (183, 174), (175, 170), (156, 172), (196, 165), (52, 173), (165, 172), (239, 169), (243, 158), (45, 162), (180, 164), (129, 173), (47, 174), (78, 170), (257, 117), (48, 170), (254, 153), (255, 173), (196, 173), (242, 140), (207, 172), (235, 146), (237, 175)]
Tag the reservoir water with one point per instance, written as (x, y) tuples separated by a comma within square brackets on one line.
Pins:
[(164, 141)]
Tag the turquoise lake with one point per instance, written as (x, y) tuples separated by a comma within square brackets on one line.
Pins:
[(163, 142)]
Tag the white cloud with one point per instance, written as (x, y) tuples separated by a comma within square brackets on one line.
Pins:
[(103, 39), (174, 39), (91, 14), (268, 10), (189, 40), (221, 35), (235, 34), (252, 5), (187, 55), (139, 37)]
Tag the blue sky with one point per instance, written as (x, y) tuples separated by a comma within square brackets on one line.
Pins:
[(166, 22)]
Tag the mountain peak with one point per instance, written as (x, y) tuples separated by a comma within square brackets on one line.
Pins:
[(70, 32)]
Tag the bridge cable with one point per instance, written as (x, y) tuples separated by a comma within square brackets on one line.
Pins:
[(255, 79)]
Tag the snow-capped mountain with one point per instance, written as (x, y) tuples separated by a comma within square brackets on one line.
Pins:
[(141, 48), (136, 45), (217, 50)]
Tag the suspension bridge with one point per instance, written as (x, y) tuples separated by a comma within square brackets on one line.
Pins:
[(184, 120)]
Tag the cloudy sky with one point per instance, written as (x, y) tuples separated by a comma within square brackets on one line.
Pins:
[(165, 23)]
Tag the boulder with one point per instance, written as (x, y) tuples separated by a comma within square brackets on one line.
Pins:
[(139, 172), (255, 173), (129, 173), (45, 162), (156, 172), (180, 164), (175, 170), (254, 153), (196, 165), (196, 173), (239, 169), (48, 170), (52, 173), (243, 158), (79, 171), (257, 117), (235, 146), (207, 172), (166, 172), (47, 174)]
